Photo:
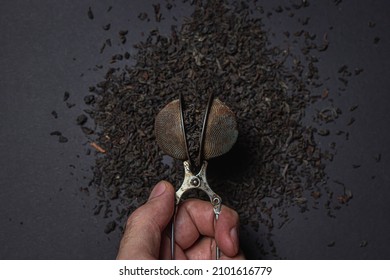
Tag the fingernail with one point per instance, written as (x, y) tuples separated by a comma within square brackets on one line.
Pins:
[(158, 190), (234, 237)]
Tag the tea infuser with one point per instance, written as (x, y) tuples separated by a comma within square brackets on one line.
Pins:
[(218, 135)]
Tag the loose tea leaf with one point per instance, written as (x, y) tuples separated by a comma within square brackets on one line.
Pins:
[(82, 119), (110, 227), (54, 114), (55, 133), (62, 139), (363, 243), (66, 95), (378, 157), (331, 244), (143, 16), (90, 13)]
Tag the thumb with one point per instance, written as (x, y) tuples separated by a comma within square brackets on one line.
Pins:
[(142, 237)]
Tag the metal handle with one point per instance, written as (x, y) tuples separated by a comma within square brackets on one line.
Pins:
[(199, 182)]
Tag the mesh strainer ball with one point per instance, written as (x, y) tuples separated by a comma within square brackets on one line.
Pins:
[(220, 131)]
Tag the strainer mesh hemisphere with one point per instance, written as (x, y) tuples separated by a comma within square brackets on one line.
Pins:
[(168, 131), (221, 130)]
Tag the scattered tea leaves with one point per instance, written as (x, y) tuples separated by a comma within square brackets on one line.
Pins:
[(276, 162)]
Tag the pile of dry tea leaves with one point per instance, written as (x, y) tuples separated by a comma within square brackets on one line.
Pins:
[(222, 48)]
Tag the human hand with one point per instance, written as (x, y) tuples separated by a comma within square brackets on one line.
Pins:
[(197, 232)]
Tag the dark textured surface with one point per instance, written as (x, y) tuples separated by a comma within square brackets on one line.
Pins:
[(48, 48)]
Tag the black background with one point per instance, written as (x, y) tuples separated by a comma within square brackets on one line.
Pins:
[(49, 47)]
